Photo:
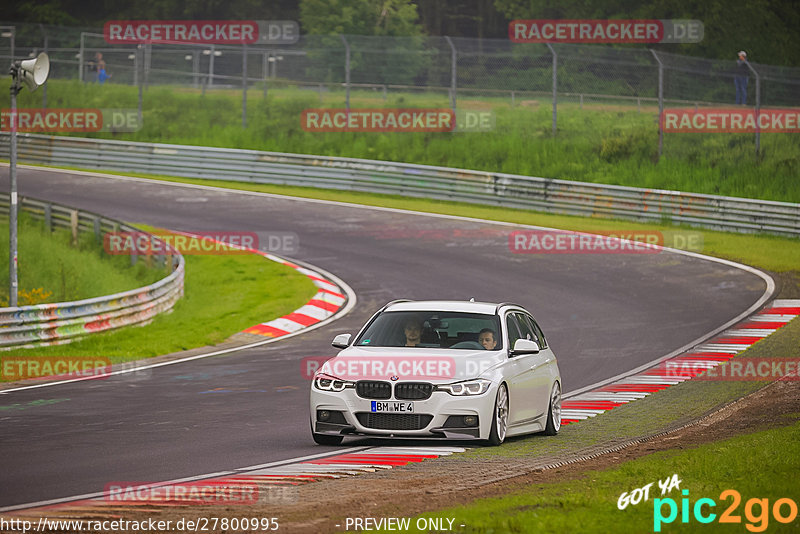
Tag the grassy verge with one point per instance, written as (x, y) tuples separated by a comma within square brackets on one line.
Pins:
[(778, 254), (589, 504), (223, 294), (603, 143), (53, 269)]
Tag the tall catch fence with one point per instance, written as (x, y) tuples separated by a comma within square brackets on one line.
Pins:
[(443, 67)]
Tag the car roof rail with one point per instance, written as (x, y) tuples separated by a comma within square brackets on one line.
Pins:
[(497, 309), (396, 301)]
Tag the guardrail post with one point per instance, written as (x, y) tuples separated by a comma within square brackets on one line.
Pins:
[(97, 232), (453, 72), (73, 224), (346, 73), (660, 103), (48, 217), (555, 86), (757, 107)]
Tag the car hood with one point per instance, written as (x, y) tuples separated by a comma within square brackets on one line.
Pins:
[(420, 364)]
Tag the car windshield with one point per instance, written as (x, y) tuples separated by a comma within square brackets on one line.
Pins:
[(433, 329)]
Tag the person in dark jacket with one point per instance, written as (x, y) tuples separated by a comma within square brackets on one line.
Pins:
[(741, 77)]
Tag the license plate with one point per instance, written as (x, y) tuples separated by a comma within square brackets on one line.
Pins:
[(391, 407)]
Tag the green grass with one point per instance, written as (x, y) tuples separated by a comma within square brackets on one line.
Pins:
[(49, 264), (611, 144), (589, 503), (223, 294), (778, 254)]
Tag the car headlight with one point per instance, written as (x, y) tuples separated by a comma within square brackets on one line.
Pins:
[(468, 387), (325, 382)]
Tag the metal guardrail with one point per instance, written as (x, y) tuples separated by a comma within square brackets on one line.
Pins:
[(45, 324), (442, 183)]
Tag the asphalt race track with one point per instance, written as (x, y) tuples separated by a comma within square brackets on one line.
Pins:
[(603, 314)]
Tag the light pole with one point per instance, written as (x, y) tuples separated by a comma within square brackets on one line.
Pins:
[(32, 73)]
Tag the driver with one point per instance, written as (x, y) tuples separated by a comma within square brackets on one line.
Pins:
[(412, 328), (487, 338)]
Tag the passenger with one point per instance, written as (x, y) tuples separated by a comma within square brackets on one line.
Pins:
[(487, 338)]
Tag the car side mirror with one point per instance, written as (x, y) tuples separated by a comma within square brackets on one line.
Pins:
[(342, 341), (525, 346)]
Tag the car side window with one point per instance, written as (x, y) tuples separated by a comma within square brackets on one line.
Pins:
[(539, 333), (513, 330), (526, 328)]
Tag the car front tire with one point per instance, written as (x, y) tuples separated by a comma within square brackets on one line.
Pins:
[(500, 420), (554, 412)]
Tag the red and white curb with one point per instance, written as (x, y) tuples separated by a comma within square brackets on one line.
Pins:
[(266, 484), (712, 353), (328, 300)]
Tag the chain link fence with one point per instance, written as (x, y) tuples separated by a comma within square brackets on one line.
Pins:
[(442, 67)]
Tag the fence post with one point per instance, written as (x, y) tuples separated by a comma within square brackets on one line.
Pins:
[(555, 87), (148, 58), (660, 102), (453, 72), (758, 107), (265, 71), (210, 81), (195, 69), (346, 73), (244, 85), (139, 80), (80, 57)]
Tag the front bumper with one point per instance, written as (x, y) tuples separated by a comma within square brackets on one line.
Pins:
[(439, 416)]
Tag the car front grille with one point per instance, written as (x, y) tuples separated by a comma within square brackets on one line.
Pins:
[(367, 389), (394, 421), (412, 390)]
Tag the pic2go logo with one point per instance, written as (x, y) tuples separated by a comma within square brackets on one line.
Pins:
[(783, 510)]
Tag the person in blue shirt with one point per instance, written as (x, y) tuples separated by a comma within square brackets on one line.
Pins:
[(741, 77)]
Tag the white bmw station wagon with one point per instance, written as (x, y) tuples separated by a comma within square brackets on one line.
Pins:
[(439, 369)]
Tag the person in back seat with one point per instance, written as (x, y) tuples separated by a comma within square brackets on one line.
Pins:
[(487, 338)]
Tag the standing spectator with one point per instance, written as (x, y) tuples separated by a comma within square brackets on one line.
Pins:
[(741, 77), (98, 66)]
